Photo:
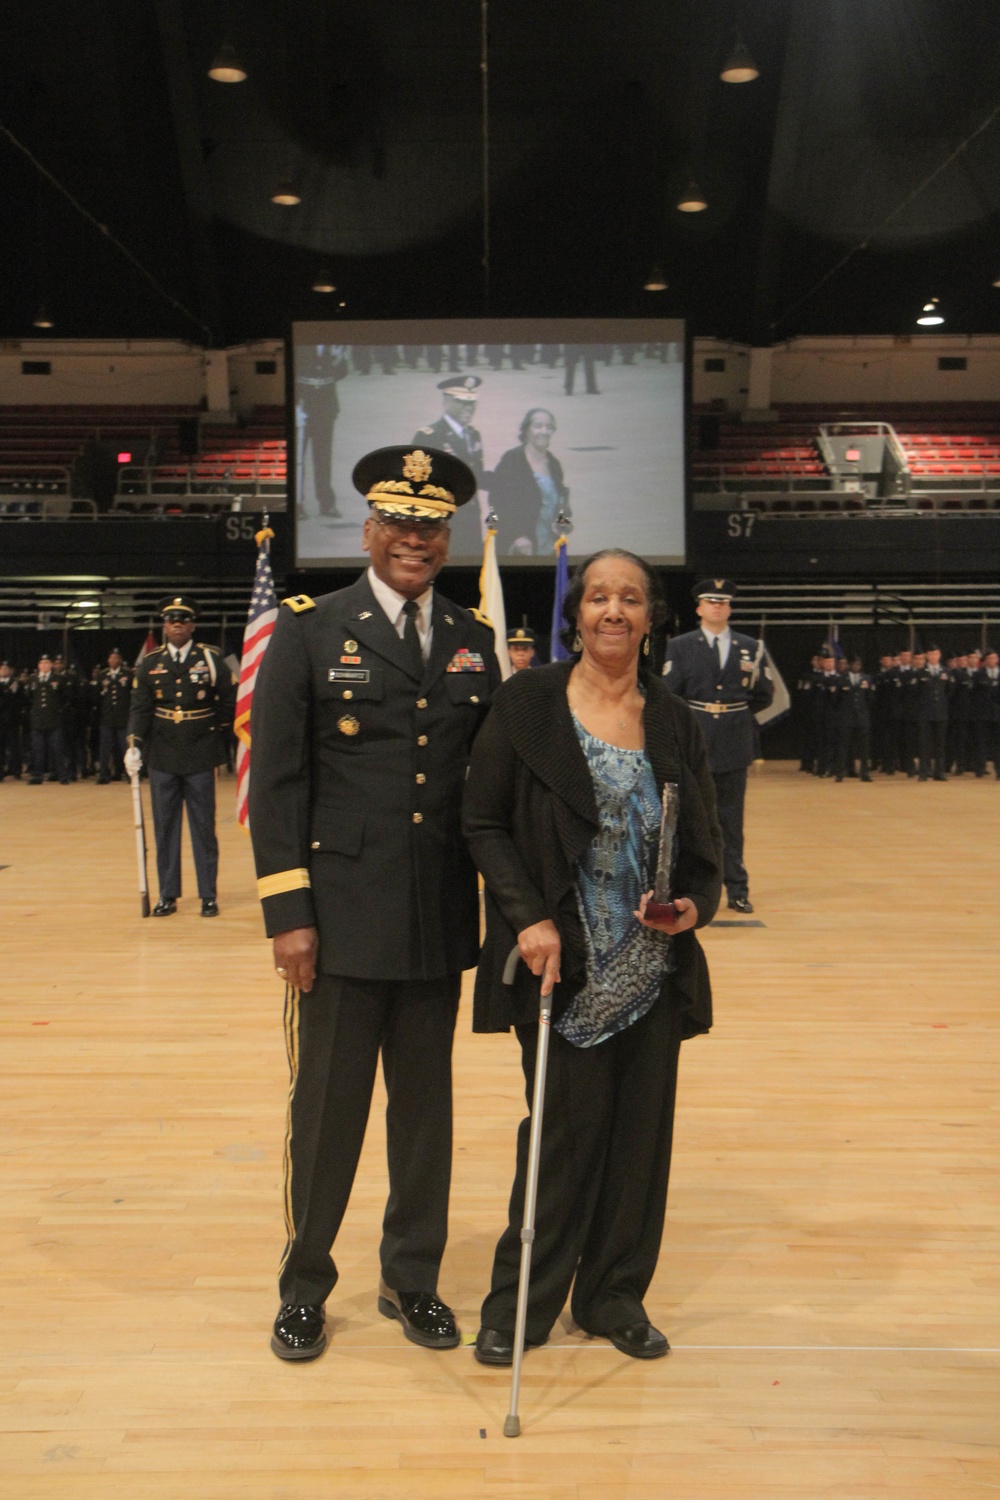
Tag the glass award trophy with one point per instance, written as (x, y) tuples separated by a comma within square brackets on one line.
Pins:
[(661, 907)]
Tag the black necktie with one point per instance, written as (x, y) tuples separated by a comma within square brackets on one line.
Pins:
[(411, 639), (717, 651)]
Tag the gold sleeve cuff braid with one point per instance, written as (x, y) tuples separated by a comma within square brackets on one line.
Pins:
[(287, 880)]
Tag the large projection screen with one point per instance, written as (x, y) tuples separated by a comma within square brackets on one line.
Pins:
[(586, 417)]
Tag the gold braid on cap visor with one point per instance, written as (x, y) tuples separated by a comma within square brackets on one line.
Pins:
[(397, 496)]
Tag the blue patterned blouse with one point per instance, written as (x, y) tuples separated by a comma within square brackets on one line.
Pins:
[(626, 962)]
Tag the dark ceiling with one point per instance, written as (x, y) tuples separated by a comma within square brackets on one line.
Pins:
[(600, 112)]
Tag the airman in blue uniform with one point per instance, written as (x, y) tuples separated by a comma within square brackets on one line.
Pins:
[(725, 678)]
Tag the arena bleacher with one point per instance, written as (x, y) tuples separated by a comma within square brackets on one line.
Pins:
[(948, 460), (44, 452)]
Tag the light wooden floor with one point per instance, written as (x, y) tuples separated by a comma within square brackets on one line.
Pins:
[(830, 1278)]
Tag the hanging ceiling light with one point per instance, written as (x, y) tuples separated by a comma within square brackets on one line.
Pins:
[(692, 200), (739, 66), (285, 194), (324, 282), (226, 66), (655, 281), (42, 318), (931, 315)]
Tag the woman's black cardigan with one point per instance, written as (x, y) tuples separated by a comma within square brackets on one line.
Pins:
[(530, 813)]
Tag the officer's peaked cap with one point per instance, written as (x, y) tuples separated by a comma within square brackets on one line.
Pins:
[(179, 605), (416, 484), (721, 590)]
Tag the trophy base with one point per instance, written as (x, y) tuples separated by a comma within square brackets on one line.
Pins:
[(661, 911)]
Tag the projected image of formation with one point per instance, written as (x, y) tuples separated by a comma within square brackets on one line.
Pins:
[(582, 421)]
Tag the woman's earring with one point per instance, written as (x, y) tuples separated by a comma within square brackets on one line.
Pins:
[(645, 646), (577, 642)]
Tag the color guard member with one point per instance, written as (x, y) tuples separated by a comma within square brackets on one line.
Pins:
[(183, 698), (725, 678)]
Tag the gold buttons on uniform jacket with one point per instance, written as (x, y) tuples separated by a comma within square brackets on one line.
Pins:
[(421, 739), (418, 817), (421, 778), (421, 702), (473, 698), (348, 693), (315, 844)]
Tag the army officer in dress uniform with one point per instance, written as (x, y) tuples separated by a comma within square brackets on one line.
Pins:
[(183, 700), (725, 678), (365, 709), (453, 432), (114, 687)]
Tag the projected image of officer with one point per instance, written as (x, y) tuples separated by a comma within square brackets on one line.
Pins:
[(454, 433)]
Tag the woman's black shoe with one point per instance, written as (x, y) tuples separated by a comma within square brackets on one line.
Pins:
[(640, 1340), (299, 1332)]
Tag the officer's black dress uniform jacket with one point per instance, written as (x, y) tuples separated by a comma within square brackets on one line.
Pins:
[(356, 785), (200, 689), (114, 697)]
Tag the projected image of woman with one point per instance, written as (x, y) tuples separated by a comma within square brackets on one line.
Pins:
[(527, 490)]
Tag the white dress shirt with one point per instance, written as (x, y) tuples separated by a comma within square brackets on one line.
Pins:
[(392, 605), (180, 653)]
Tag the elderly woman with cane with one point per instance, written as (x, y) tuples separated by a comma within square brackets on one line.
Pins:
[(563, 815)]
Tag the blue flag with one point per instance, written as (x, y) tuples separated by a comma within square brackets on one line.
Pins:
[(557, 651)]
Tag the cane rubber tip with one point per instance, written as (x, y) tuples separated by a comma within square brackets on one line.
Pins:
[(512, 1427)]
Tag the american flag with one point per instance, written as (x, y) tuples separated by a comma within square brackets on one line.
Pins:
[(260, 624)]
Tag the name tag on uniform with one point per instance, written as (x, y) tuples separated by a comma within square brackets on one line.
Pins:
[(348, 674), (466, 661)]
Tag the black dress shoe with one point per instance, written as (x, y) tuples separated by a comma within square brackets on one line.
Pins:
[(640, 1340), (299, 1332), (210, 907), (425, 1320), (496, 1348), (741, 903), (165, 907)]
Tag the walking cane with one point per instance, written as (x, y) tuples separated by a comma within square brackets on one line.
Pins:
[(512, 1422), (140, 843)]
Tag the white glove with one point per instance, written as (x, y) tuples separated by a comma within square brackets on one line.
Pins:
[(133, 760)]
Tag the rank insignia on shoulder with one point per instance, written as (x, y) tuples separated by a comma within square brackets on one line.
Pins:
[(483, 619), (348, 724), (299, 603)]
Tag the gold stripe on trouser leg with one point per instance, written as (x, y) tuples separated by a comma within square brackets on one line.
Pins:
[(291, 1023)]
